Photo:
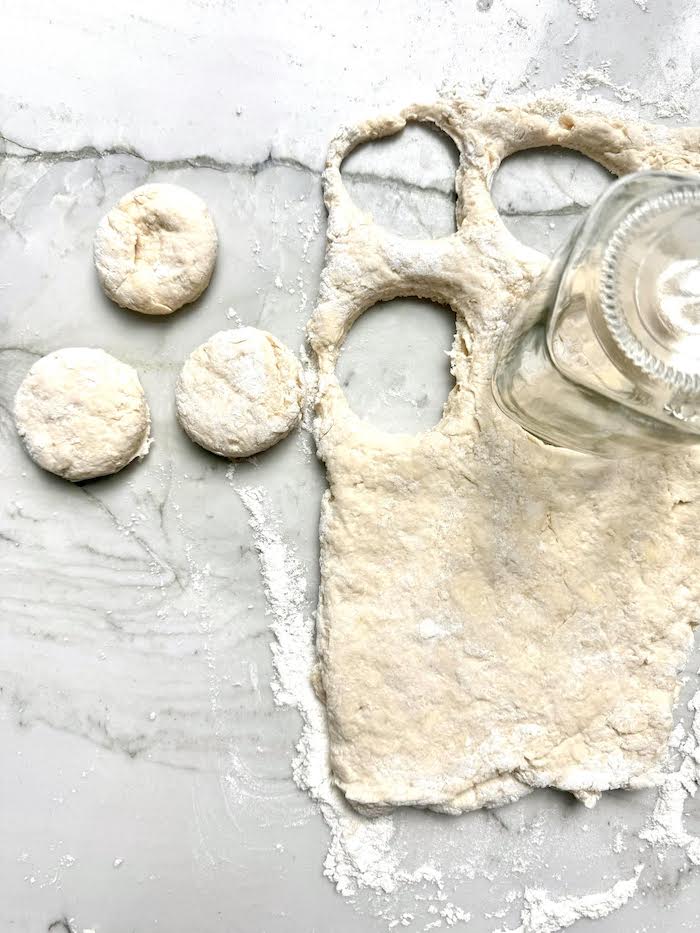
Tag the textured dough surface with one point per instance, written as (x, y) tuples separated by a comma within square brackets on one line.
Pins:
[(155, 250), (495, 614), (240, 392), (81, 413)]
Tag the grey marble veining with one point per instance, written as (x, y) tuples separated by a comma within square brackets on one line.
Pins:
[(145, 780)]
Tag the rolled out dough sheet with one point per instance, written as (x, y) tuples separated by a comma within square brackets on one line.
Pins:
[(495, 614)]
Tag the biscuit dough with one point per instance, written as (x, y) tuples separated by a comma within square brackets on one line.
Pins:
[(495, 614), (155, 250), (81, 413), (240, 392)]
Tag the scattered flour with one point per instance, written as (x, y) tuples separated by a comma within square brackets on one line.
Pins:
[(579, 82), (359, 854), (665, 827), (452, 915), (430, 629), (542, 914), (586, 9)]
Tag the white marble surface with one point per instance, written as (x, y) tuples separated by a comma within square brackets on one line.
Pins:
[(145, 779)]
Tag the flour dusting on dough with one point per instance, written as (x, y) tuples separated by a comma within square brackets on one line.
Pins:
[(540, 561)]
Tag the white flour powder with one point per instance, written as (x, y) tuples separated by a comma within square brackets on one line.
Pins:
[(589, 81), (542, 914), (586, 9), (665, 828), (359, 854)]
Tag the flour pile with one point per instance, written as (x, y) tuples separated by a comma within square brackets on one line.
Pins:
[(359, 854), (542, 914)]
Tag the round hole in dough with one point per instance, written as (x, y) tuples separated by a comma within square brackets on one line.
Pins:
[(240, 392), (155, 250), (81, 413)]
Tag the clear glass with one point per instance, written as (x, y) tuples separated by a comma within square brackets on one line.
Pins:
[(604, 356)]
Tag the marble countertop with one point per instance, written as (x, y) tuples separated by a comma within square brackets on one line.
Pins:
[(146, 780)]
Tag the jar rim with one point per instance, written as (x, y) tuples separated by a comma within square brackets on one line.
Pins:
[(616, 322)]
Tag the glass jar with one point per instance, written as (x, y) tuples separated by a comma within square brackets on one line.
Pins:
[(604, 356)]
